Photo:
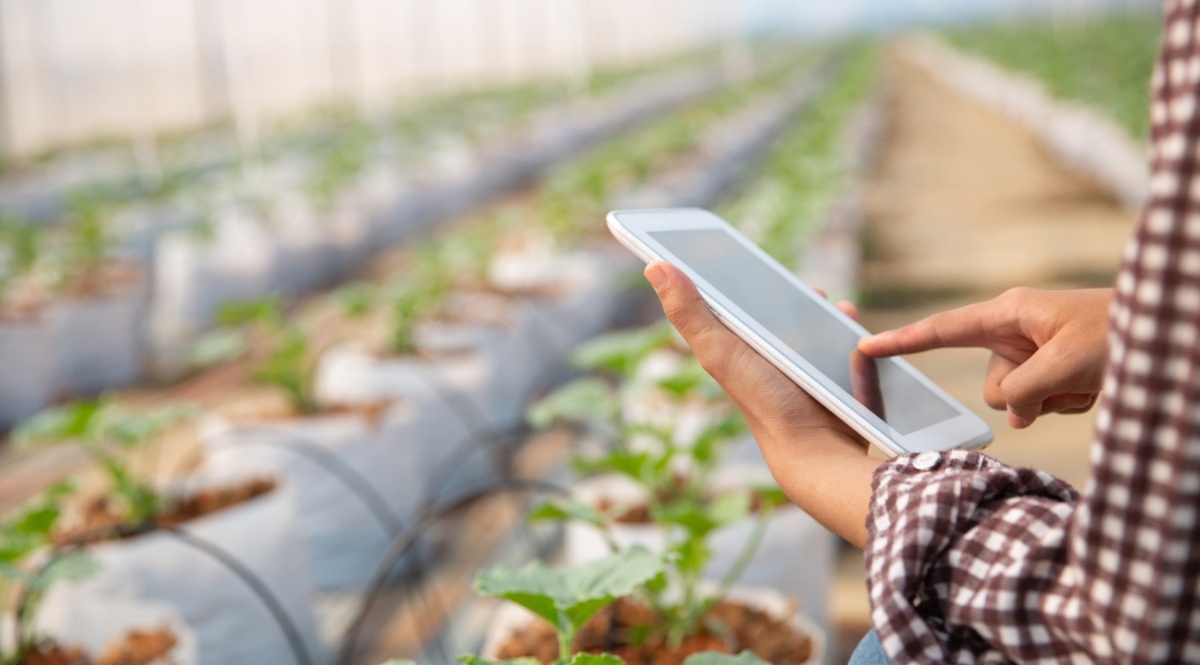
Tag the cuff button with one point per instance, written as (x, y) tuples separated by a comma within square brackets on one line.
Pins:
[(926, 460)]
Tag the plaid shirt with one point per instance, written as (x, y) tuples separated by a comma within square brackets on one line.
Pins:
[(971, 561)]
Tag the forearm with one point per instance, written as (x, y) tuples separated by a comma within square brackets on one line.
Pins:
[(827, 475)]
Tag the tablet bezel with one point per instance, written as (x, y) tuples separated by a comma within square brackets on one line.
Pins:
[(966, 430)]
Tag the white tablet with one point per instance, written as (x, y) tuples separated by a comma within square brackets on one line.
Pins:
[(886, 400)]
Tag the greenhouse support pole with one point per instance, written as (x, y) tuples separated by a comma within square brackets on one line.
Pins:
[(7, 151)]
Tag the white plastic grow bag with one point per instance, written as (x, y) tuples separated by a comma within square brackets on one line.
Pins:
[(511, 619), (96, 623), (196, 275), (305, 255), (795, 556), (98, 340), (452, 401), (27, 355), (232, 626), (357, 482)]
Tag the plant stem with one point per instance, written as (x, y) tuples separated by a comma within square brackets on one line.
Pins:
[(743, 560), (566, 637)]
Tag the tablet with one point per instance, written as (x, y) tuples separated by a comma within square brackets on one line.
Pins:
[(886, 400)]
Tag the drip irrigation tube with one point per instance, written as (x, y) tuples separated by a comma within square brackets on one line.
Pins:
[(355, 482), (405, 540), (287, 627)]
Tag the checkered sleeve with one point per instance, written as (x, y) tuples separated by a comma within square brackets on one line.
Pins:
[(970, 561)]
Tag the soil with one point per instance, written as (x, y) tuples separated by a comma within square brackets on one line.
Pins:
[(612, 631), (136, 648), (104, 279), (98, 518)]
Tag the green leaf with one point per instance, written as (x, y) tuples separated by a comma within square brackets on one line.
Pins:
[(469, 659), (690, 378), (700, 520), (729, 508), (218, 346), (585, 400), (266, 311), (567, 510), (770, 496), (574, 593), (357, 298), (621, 352), (72, 422), (594, 659), (746, 657), (69, 568)]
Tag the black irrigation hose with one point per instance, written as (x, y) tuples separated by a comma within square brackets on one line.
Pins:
[(358, 484), (404, 541), (291, 633)]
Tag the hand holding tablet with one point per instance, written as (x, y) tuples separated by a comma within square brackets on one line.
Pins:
[(886, 401)]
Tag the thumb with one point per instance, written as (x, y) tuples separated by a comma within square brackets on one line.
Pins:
[(686, 310)]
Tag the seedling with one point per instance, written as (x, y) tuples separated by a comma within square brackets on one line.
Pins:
[(23, 537), (107, 432), (20, 244), (568, 597), (87, 239), (674, 474), (282, 358)]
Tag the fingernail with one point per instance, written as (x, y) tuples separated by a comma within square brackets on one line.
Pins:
[(658, 278), (1017, 421)]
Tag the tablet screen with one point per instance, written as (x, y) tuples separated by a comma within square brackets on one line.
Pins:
[(881, 387)]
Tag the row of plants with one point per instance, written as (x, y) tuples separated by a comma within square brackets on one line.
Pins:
[(1102, 61), (784, 203), (310, 472), (659, 512), (275, 227)]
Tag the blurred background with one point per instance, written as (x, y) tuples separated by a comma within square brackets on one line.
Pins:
[(307, 306)]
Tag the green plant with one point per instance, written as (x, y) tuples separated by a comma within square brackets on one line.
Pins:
[(801, 177), (673, 473), (281, 348), (87, 238), (343, 160), (108, 433), (20, 243), (23, 537), (568, 597), (408, 300), (1101, 61)]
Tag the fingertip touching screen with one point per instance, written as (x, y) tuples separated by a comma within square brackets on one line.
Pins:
[(881, 387)]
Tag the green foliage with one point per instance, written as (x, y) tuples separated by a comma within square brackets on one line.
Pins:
[(619, 353), (577, 194), (717, 658), (88, 238), (803, 174), (587, 400), (20, 248), (680, 502), (281, 348), (342, 161), (107, 432), (1104, 62), (568, 597)]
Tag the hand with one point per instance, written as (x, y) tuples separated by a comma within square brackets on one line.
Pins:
[(817, 459), (1048, 347)]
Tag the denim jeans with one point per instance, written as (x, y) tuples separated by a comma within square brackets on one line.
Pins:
[(869, 652)]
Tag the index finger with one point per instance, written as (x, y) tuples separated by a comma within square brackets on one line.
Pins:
[(965, 326)]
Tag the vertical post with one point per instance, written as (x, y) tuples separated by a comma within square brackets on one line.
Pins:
[(7, 151)]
